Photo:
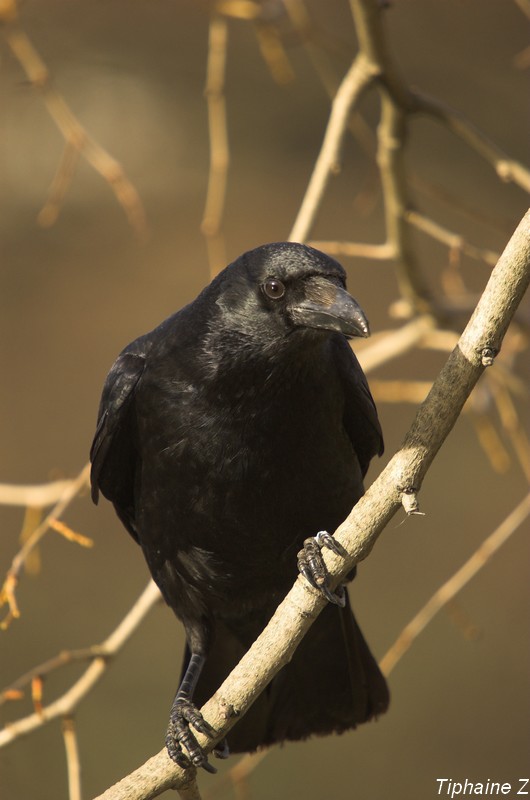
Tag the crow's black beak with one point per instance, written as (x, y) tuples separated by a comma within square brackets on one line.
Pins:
[(328, 306)]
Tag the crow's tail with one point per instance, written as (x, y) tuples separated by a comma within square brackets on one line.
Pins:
[(332, 684)]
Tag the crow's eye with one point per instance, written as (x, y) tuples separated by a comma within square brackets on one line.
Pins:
[(273, 288)]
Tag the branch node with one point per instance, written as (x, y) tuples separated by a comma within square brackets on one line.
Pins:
[(228, 710), (409, 501), (487, 356)]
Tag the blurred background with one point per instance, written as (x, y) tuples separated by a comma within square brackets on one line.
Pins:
[(73, 294)]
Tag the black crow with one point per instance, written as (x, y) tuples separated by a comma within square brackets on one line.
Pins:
[(228, 437)]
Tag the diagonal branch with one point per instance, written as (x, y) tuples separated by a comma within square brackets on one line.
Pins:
[(219, 146), (454, 585), (397, 485), (239, 773), (77, 140), (101, 655), (356, 80), (67, 494), (506, 168)]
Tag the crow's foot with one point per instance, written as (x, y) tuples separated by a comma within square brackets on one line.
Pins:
[(182, 746), (311, 565)]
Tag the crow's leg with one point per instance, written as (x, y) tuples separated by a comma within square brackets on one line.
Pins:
[(311, 565), (184, 714)]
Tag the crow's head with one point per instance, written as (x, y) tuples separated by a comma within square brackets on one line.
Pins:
[(285, 287)]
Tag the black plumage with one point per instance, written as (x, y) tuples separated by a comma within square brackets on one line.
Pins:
[(237, 428)]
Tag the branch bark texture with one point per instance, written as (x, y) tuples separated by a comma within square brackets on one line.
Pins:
[(397, 484)]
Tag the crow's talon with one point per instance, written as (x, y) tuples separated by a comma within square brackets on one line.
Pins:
[(179, 737), (325, 539), (174, 750), (221, 749), (312, 566), (338, 597), (207, 767)]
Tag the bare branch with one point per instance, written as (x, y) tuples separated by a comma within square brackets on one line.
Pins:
[(219, 148), (453, 240), (394, 343), (36, 495), (75, 136), (7, 593), (356, 80), (65, 705), (392, 134), (15, 689), (454, 585), (506, 168), (72, 758), (377, 252), (59, 186), (511, 424)]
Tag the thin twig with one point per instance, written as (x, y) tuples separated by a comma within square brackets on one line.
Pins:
[(377, 252), (74, 134), (62, 659), (454, 585), (37, 495), (394, 343), (72, 758), (219, 148), (489, 439), (7, 592), (357, 125), (392, 134), (511, 424), (506, 168), (273, 51), (354, 83), (454, 241), (59, 186), (396, 103), (435, 191), (69, 701)]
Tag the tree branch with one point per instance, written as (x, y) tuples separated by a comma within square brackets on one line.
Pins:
[(356, 80), (72, 758), (506, 168), (7, 591), (219, 147), (77, 140), (101, 655), (454, 585), (37, 495)]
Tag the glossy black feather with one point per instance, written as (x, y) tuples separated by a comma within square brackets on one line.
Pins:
[(226, 437)]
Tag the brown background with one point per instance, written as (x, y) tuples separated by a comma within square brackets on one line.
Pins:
[(72, 296)]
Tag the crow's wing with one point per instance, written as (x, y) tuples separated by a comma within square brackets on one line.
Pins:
[(113, 453), (360, 414)]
